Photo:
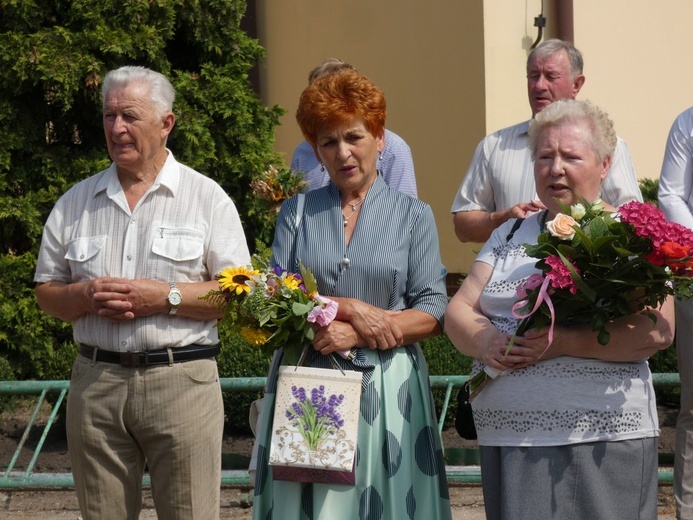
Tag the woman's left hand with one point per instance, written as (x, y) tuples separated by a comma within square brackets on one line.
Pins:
[(530, 348), (376, 328)]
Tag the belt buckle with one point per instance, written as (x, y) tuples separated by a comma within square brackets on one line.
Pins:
[(130, 359)]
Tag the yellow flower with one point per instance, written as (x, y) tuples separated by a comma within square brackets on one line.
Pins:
[(255, 336), (233, 279), (292, 282)]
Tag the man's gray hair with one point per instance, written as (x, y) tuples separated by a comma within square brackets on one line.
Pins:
[(162, 92), (329, 66), (567, 111), (548, 48)]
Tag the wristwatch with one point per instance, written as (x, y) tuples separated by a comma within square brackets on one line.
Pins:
[(174, 298)]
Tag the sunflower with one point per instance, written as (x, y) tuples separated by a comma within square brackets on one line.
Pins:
[(233, 279), (255, 336)]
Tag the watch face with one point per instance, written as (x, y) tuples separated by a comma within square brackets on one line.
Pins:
[(174, 298)]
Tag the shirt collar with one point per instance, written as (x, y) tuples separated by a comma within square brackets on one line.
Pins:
[(167, 177)]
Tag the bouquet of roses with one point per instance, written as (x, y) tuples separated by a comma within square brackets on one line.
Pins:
[(271, 308), (597, 266)]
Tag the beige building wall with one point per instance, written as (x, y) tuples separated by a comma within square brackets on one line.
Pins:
[(639, 68), (453, 71)]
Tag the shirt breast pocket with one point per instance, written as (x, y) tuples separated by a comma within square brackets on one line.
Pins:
[(83, 255), (179, 245)]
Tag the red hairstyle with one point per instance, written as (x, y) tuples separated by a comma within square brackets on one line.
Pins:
[(336, 99)]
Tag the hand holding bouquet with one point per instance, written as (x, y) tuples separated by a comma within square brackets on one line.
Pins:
[(597, 266)]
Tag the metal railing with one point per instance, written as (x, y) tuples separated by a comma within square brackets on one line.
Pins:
[(26, 478)]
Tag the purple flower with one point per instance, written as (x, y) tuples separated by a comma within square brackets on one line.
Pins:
[(316, 418)]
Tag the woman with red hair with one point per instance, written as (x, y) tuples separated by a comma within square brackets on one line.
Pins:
[(375, 251)]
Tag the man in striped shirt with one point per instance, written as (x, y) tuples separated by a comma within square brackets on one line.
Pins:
[(125, 256), (499, 184)]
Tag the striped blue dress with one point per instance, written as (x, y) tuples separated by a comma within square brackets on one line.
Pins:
[(392, 262)]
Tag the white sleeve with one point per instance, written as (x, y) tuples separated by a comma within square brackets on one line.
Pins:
[(621, 185), (676, 179)]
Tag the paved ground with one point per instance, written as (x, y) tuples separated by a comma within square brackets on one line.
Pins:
[(467, 504)]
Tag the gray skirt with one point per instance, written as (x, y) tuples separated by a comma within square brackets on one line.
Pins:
[(591, 481)]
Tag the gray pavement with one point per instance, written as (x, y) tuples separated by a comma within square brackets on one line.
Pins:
[(467, 504)]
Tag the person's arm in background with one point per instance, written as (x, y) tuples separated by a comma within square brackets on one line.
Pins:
[(621, 185), (477, 225), (397, 165), (474, 208), (676, 179)]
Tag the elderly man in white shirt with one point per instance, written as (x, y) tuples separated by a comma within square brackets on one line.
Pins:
[(499, 184), (126, 255)]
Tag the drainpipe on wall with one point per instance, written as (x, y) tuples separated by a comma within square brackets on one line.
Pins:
[(564, 20)]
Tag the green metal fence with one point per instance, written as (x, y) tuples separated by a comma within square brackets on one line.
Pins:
[(26, 478)]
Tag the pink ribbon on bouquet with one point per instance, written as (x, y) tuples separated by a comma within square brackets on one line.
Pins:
[(542, 297)]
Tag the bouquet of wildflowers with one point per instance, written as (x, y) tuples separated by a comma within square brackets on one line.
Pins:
[(597, 266), (271, 307), (277, 185)]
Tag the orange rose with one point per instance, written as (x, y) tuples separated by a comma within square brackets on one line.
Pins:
[(562, 226), (674, 251)]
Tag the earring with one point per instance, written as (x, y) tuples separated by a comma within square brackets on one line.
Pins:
[(380, 155), (322, 167)]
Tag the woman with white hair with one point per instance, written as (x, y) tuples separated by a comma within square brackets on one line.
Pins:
[(568, 432)]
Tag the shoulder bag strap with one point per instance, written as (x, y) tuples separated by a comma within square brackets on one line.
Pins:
[(516, 226), (300, 203)]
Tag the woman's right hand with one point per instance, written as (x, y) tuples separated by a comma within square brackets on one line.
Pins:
[(493, 353)]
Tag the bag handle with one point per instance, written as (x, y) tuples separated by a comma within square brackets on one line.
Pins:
[(331, 355)]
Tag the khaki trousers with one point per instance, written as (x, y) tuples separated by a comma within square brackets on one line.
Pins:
[(169, 417)]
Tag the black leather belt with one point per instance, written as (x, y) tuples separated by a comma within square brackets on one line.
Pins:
[(153, 357)]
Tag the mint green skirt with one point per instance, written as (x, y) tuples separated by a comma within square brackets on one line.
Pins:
[(400, 470)]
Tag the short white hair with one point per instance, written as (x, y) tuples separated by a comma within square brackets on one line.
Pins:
[(161, 91), (572, 111)]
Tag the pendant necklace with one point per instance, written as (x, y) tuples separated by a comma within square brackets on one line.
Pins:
[(355, 205)]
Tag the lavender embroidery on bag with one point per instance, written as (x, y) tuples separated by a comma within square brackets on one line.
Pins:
[(316, 418)]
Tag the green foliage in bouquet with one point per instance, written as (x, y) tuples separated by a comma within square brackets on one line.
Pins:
[(272, 308)]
